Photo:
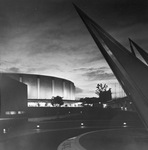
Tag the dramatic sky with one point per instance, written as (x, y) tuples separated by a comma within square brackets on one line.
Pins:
[(48, 37)]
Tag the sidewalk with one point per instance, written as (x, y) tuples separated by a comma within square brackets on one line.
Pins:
[(111, 139), (28, 127)]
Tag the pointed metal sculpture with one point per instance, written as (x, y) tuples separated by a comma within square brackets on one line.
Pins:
[(129, 70), (141, 51), (131, 46)]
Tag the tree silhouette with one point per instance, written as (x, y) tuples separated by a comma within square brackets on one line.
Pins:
[(103, 93), (57, 101)]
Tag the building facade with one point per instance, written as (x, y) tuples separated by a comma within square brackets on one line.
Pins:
[(13, 97), (45, 87)]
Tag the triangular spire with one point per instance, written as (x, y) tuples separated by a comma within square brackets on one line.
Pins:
[(131, 46), (129, 70), (141, 51)]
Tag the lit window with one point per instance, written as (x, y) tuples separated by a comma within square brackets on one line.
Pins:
[(82, 123), (4, 131), (21, 112), (10, 112)]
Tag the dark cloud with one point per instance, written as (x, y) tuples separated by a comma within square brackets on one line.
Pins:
[(78, 90), (101, 69), (42, 68), (14, 70), (93, 74), (33, 11), (99, 75), (117, 13)]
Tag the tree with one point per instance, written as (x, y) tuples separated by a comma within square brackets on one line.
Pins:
[(103, 93), (57, 101)]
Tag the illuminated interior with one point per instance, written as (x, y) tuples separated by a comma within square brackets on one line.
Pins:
[(45, 87)]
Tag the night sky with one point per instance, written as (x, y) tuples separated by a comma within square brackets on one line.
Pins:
[(48, 37)]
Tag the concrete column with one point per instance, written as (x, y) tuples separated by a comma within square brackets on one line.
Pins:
[(38, 87), (64, 90), (71, 92), (53, 87), (20, 78)]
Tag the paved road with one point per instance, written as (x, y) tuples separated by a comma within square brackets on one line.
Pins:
[(47, 135), (43, 138)]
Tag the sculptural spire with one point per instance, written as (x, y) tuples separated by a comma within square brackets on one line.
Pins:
[(133, 79), (141, 51)]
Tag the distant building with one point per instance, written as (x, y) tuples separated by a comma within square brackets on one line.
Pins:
[(13, 97), (42, 88), (123, 103)]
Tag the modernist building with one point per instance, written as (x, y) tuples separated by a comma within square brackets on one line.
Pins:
[(41, 87)]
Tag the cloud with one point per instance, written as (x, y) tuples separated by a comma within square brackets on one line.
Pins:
[(78, 90), (93, 74), (48, 37), (14, 70), (122, 12), (43, 68)]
